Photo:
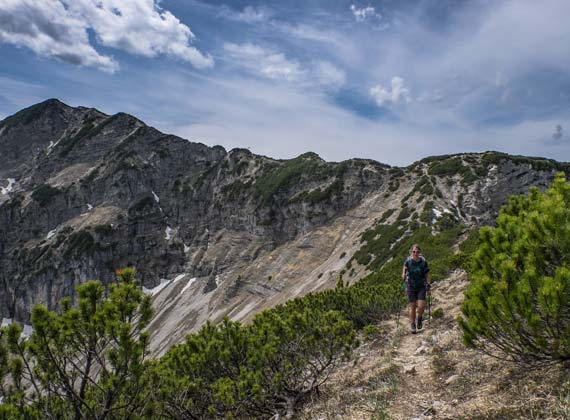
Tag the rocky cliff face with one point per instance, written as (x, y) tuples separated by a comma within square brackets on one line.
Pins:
[(220, 233)]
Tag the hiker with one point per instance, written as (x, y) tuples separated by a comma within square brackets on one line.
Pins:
[(416, 275)]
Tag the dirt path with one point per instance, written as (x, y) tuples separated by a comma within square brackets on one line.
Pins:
[(432, 375), (393, 375), (422, 357)]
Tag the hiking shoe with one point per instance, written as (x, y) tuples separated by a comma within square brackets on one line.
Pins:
[(420, 323), (413, 327)]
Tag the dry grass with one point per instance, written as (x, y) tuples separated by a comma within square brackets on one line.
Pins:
[(449, 381)]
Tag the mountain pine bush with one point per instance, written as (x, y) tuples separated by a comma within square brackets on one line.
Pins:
[(232, 371), (518, 305), (87, 362)]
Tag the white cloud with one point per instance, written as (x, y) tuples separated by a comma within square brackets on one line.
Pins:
[(48, 29), (276, 66), (363, 13), (309, 32), (269, 64), (396, 94), (249, 14), (58, 28), (329, 75)]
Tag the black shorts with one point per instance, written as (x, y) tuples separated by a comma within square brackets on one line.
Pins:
[(416, 294)]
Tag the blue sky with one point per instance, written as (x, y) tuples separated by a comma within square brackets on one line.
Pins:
[(391, 80)]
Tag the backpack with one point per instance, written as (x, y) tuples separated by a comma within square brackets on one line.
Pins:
[(417, 278)]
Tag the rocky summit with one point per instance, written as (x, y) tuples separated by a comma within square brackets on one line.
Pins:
[(214, 233)]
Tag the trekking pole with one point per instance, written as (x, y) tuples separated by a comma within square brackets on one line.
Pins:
[(399, 310), (399, 304), (429, 309)]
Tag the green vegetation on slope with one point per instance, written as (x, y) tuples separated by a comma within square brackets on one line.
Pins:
[(44, 194), (27, 115), (278, 180), (86, 362), (518, 305), (540, 164)]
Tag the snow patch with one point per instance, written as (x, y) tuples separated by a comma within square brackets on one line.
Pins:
[(156, 290), (89, 206), (10, 187), (179, 277), (447, 211), (168, 233), (218, 280), (155, 197), (50, 146), (186, 248), (51, 234), (437, 213), (27, 331), (190, 283)]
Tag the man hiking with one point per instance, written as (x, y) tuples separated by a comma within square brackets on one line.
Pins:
[(416, 275)]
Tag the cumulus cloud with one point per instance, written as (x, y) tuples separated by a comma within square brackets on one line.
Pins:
[(395, 94), (363, 13), (48, 29), (558, 133), (276, 66), (59, 29)]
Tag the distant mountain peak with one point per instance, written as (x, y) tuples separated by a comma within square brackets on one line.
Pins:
[(32, 113)]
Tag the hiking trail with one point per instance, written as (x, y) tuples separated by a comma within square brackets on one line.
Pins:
[(432, 375)]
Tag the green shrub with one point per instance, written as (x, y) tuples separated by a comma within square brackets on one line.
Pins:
[(103, 230), (96, 351), (393, 185), (427, 213), (539, 164), (234, 190), (396, 172), (279, 180), (447, 167), (27, 115), (14, 203), (469, 177), (370, 331), (67, 144), (231, 371), (79, 243), (386, 215), (404, 213), (142, 204), (518, 304), (438, 313), (317, 195), (44, 194)]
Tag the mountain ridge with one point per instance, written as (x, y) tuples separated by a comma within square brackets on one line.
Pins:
[(228, 233)]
